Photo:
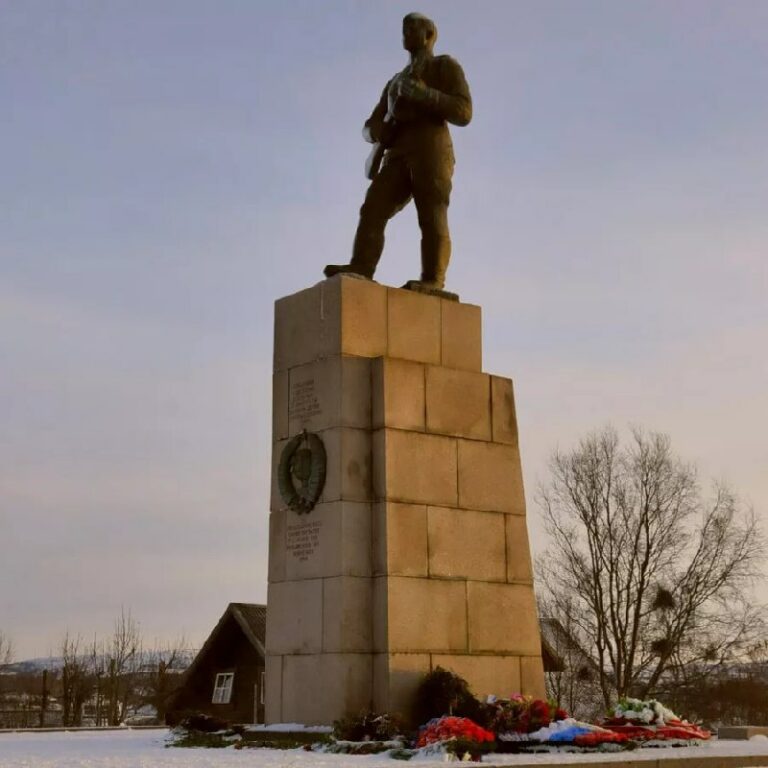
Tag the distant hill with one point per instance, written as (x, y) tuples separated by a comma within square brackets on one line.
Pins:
[(55, 663)]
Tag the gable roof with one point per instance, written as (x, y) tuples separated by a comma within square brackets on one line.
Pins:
[(250, 617), (559, 642)]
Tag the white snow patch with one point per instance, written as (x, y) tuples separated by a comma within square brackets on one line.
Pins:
[(146, 749)]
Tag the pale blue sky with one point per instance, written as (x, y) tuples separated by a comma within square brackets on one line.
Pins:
[(169, 169)]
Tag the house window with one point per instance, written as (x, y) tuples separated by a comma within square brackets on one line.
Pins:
[(222, 688)]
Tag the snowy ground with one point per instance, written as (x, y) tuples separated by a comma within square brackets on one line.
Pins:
[(146, 749)]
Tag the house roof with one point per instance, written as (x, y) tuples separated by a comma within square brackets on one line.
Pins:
[(250, 617), (559, 642)]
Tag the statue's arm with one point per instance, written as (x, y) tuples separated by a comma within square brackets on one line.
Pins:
[(374, 126), (452, 100)]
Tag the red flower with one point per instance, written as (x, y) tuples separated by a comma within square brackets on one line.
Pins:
[(446, 728)]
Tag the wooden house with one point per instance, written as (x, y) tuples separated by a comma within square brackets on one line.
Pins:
[(226, 678)]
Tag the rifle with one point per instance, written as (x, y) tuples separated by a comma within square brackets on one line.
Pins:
[(373, 163)]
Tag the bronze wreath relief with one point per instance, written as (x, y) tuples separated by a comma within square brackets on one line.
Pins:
[(301, 474)]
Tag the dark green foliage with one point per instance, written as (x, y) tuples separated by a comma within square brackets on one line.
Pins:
[(367, 727), (202, 739), (475, 749), (445, 693), (200, 730), (358, 747), (283, 740), (204, 723), (276, 742)]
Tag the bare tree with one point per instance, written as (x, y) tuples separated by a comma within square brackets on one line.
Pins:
[(75, 679), (123, 659), (163, 667), (6, 649), (97, 666), (658, 574)]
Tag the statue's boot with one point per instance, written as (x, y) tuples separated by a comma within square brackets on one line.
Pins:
[(343, 269), (435, 255), (366, 252)]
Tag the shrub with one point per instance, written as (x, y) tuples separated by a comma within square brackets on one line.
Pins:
[(442, 692), (367, 727), (204, 723), (202, 739)]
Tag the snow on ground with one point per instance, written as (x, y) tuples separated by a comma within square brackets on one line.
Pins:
[(146, 749)]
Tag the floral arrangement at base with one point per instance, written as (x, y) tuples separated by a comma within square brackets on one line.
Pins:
[(651, 721), (445, 728), (525, 724), (568, 734), (459, 737), (521, 714)]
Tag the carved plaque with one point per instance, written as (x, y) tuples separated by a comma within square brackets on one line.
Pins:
[(304, 403), (302, 539)]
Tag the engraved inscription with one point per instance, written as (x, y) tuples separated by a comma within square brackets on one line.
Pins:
[(304, 402), (303, 539)]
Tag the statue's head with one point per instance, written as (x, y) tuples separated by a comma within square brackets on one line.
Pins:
[(419, 33)]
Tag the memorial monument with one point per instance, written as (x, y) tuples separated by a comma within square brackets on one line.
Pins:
[(398, 538)]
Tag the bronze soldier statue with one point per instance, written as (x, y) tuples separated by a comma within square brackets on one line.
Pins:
[(412, 156)]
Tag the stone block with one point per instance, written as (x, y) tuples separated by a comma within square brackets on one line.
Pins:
[(295, 617), (333, 540), (276, 503), (380, 613), (739, 732), (413, 326), (424, 615), (280, 405), (347, 605), (348, 471), (414, 468), (277, 546), (273, 693), (337, 316), (490, 477), (397, 394), (502, 619), (395, 679), (532, 677), (332, 392), (486, 675), (319, 689), (458, 403), (363, 316), (465, 544), (503, 411), (399, 539), (461, 336), (298, 330), (518, 550)]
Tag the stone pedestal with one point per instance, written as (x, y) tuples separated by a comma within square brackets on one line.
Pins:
[(416, 554)]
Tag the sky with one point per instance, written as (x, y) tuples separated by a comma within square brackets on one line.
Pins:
[(169, 169)]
